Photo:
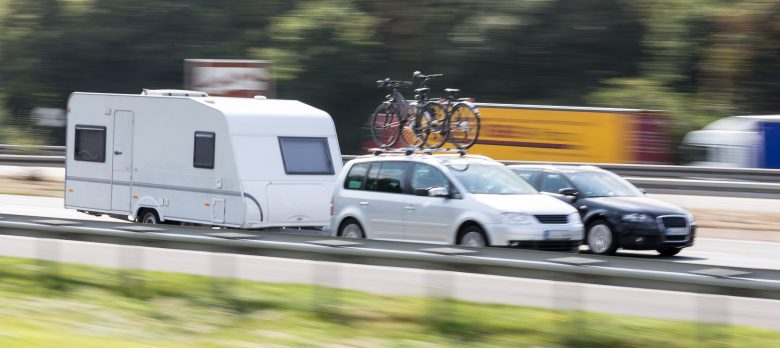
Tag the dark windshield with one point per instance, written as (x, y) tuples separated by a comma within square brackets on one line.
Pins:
[(490, 179), (603, 184)]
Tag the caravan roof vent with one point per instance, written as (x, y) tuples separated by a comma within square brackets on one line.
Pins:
[(173, 93)]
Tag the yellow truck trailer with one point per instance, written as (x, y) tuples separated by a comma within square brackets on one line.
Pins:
[(572, 134)]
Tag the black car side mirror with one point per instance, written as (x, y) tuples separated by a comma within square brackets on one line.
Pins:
[(568, 191)]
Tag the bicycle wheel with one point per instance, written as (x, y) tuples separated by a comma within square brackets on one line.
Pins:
[(385, 125), (463, 125), (411, 132), (433, 124)]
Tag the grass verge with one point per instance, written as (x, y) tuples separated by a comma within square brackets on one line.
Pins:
[(63, 305)]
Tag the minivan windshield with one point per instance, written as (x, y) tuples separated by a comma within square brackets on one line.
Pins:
[(599, 184), (490, 179)]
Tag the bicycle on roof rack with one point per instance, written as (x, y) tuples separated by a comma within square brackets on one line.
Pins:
[(461, 123), (426, 123), (398, 119)]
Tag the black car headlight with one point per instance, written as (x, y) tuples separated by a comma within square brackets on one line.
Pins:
[(638, 218)]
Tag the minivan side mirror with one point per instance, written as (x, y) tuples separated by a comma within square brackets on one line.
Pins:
[(438, 192), (644, 192)]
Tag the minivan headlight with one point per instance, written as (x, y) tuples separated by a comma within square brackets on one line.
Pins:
[(575, 218), (516, 218), (637, 217)]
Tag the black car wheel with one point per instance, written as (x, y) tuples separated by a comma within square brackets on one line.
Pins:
[(601, 239)]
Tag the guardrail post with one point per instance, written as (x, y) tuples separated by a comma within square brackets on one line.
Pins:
[(568, 296), (442, 313), (132, 282), (132, 279), (223, 279), (714, 311), (47, 253), (224, 272), (326, 296)]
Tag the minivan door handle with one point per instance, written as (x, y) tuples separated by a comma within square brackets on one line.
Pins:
[(364, 204), (409, 208)]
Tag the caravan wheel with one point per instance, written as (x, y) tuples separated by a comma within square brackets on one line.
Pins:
[(149, 217)]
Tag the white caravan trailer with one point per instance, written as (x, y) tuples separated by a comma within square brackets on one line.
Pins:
[(183, 156)]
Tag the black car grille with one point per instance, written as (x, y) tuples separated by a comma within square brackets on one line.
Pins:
[(552, 219), (674, 221), (676, 238)]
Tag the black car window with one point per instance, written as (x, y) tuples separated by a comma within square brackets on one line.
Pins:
[(603, 184), (529, 175), (552, 182)]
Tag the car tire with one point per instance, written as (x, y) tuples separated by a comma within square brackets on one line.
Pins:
[(473, 236), (601, 239), (668, 251), (351, 229), (149, 216)]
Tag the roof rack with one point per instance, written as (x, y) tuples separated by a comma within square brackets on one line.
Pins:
[(414, 150)]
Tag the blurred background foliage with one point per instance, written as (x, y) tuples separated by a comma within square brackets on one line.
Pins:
[(696, 59)]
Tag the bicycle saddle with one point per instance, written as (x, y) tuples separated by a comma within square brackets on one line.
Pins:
[(452, 91)]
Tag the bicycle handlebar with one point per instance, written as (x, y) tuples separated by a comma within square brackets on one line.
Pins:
[(392, 83), (419, 75)]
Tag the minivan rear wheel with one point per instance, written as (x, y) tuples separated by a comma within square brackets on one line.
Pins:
[(473, 236), (351, 229)]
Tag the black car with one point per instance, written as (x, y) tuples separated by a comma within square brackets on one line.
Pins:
[(616, 214)]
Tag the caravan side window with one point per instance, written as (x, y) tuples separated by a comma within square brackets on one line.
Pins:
[(304, 155), (90, 143), (204, 150)]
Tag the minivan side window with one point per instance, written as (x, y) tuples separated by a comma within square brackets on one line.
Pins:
[(386, 177), (426, 176), (90, 144), (373, 176), (357, 176), (203, 153)]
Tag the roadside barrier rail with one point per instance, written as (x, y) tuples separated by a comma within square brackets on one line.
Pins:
[(738, 282)]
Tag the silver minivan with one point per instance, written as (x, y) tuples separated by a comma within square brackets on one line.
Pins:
[(448, 199)]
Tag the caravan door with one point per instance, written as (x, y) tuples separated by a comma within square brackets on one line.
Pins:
[(121, 179)]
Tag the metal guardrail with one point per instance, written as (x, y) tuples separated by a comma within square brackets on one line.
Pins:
[(699, 279), (39, 150), (666, 179)]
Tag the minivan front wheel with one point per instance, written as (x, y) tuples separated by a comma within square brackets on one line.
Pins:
[(473, 237), (601, 240), (351, 229)]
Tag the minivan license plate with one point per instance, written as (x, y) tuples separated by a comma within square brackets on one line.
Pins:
[(677, 231), (557, 235)]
